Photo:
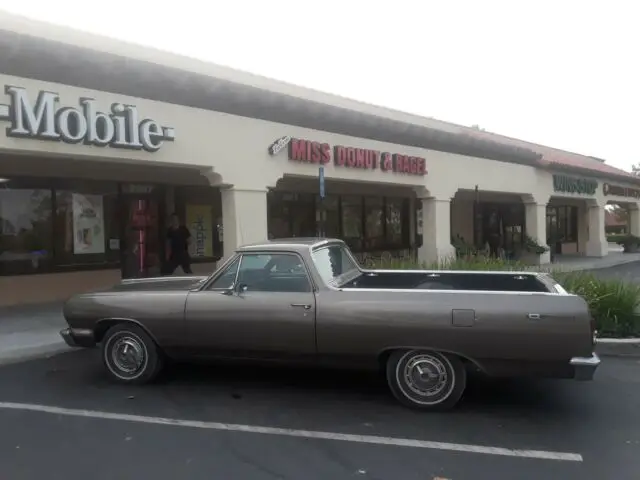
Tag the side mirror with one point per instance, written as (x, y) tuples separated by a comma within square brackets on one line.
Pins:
[(240, 289)]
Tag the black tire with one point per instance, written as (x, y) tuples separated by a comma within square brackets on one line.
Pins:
[(130, 355), (446, 382)]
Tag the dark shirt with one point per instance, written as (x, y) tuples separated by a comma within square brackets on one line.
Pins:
[(178, 239)]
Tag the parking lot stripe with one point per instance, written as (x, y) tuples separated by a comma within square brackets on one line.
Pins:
[(288, 432)]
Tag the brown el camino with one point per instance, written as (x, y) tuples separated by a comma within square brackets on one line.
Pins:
[(308, 300)]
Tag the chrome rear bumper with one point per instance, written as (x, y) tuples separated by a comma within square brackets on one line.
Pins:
[(585, 367)]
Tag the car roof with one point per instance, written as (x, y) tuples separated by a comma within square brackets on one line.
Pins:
[(294, 243)]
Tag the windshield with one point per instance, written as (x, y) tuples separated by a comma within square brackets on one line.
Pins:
[(333, 262)]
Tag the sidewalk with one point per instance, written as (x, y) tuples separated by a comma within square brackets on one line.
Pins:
[(30, 331), (569, 263)]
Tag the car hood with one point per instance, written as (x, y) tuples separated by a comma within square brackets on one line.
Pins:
[(159, 283)]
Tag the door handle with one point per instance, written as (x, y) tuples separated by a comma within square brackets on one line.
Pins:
[(306, 306), (534, 316)]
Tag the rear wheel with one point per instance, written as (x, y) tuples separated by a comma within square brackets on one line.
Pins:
[(426, 380), (130, 355)]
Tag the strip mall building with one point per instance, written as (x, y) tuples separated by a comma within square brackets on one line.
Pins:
[(102, 140)]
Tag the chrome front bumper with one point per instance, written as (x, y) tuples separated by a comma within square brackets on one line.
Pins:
[(585, 367), (78, 337)]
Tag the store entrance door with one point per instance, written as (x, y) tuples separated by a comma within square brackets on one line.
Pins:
[(143, 249)]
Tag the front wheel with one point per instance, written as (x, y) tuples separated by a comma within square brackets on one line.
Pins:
[(426, 380), (130, 355)]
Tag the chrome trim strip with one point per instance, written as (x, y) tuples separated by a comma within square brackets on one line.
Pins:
[(423, 290), (81, 332), (592, 361), (477, 272)]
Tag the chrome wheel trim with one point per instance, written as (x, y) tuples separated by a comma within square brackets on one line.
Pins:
[(126, 355), (425, 378)]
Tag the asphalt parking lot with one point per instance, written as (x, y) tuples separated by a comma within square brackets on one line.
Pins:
[(61, 418)]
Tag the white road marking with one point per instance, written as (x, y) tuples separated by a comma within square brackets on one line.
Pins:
[(287, 432)]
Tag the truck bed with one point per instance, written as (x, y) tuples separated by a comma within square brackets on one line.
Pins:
[(465, 281)]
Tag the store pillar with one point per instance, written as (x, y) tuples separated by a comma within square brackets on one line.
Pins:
[(597, 245), (436, 231), (244, 218), (536, 227), (634, 219)]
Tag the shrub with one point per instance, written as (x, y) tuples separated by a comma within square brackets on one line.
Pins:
[(631, 243), (614, 303), (470, 262), (618, 238)]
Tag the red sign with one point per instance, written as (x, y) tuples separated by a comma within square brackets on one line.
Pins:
[(307, 151)]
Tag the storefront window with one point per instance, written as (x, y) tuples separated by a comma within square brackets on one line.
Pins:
[(25, 228), (374, 215), (200, 208), (562, 224), (87, 226), (331, 206), (303, 215), (500, 227), (365, 223), (352, 222), (278, 216), (394, 214)]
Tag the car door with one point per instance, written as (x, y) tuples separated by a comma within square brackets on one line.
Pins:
[(255, 309)]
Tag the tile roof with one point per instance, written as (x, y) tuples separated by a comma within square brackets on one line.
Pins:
[(612, 220), (554, 157)]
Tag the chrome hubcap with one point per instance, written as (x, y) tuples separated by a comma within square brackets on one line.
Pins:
[(128, 355), (425, 375)]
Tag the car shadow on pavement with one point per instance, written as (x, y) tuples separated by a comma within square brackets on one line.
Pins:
[(248, 393), (483, 395)]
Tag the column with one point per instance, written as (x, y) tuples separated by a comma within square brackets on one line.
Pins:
[(536, 227), (634, 220), (436, 231), (244, 218), (583, 228), (597, 245)]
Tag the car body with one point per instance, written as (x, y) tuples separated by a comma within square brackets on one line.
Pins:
[(307, 300)]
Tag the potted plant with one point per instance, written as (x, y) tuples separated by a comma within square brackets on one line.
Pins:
[(533, 249), (629, 243)]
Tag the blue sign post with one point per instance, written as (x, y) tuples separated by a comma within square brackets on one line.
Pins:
[(321, 178), (322, 215)]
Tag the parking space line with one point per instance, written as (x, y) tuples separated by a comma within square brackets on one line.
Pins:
[(287, 432)]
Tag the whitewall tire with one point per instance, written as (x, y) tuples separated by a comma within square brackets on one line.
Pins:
[(426, 380), (130, 355)]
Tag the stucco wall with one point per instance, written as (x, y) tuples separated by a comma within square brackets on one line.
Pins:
[(236, 148), (25, 289)]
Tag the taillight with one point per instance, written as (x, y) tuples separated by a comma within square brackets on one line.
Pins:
[(594, 331)]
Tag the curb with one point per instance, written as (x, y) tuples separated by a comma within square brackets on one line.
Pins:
[(618, 347), (33, 353)]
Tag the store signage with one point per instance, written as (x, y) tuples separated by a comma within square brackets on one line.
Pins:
[(583, 186), (47, 120), (619, 191), (279, 144), (307, 151)]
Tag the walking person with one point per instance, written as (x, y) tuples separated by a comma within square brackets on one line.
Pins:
[(178, 240)]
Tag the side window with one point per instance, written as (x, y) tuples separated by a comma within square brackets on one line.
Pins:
[(227, 278), (274, 272)]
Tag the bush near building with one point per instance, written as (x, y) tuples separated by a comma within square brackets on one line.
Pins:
[(630, 243), (614, 303)]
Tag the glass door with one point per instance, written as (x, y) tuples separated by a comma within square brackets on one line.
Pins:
[(143, 249)]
